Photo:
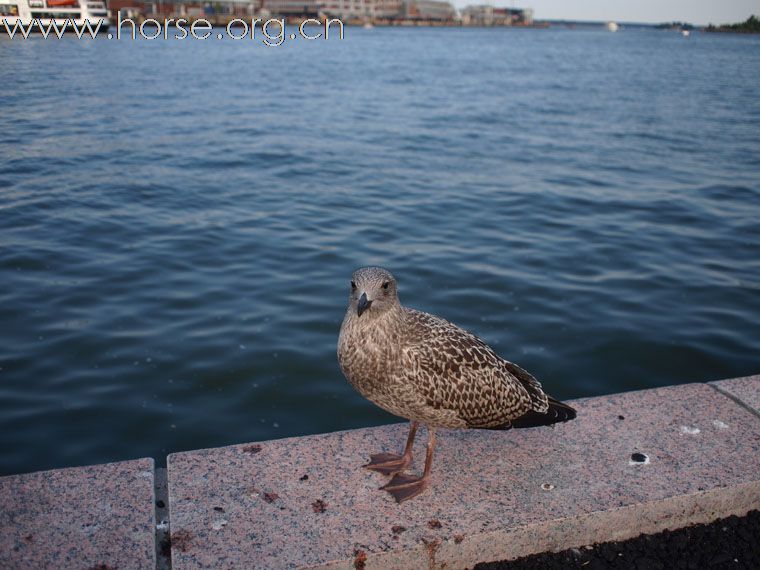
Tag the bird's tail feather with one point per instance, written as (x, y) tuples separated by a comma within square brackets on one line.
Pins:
[(557, 412)]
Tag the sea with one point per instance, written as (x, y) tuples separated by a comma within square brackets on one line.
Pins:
[(179, 221)]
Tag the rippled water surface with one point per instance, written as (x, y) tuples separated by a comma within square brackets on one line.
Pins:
[(179, 221)]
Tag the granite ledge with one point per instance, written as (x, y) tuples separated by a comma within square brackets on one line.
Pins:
[(306, 503), (100, 516), (744, 390)]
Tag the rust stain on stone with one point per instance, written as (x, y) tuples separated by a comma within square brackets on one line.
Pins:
[(398, 529), (319, 506), (360, 559), (432, 548), (458, 538), (434, 524), (252, 449), (270, 497), (181, 540)]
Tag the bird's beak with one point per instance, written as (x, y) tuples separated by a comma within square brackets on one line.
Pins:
[(363, 304)]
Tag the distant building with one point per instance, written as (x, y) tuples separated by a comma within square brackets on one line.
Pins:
[(477, 15), (347, 9), (485, 15), (183, 8), (388, 9), (370, 10), (310, 8), (429, 10), (385, 9)]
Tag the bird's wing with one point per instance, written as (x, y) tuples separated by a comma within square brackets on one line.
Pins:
[(456, 371)]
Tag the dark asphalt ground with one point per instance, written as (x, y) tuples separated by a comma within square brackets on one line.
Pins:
[(732, 543)]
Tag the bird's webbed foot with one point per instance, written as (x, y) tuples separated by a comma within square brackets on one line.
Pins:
[(404, 487), (389, 463)]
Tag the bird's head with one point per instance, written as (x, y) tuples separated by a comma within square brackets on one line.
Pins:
[(372, 292)]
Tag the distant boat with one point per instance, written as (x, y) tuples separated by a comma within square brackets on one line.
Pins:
[(685, 33), (24, 16), (367, 26), (612, 26)]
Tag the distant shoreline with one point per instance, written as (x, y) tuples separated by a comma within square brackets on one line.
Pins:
[(750, 26)]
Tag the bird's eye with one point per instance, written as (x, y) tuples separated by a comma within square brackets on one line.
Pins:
[(353, 285), (385, 285)]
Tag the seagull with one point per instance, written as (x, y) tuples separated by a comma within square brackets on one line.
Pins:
[(423, 368)]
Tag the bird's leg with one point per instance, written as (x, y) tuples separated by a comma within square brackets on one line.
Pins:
[(390, 463), (405, 487)]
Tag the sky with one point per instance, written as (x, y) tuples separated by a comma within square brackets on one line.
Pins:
[(692, 11)]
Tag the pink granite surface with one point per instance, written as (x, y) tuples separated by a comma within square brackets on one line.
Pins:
[(496, 495), (100, 516), (746, 390)]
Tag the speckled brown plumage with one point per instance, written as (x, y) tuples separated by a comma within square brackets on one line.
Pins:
[(424, 368), (421, 367)]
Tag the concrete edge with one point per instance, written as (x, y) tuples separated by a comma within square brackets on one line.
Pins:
[(555, 535), (738, 401), (572, 532), (77, 467), (80, 516), (722, 387)]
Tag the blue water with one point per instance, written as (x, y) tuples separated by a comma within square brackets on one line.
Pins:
[(179, 221)]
